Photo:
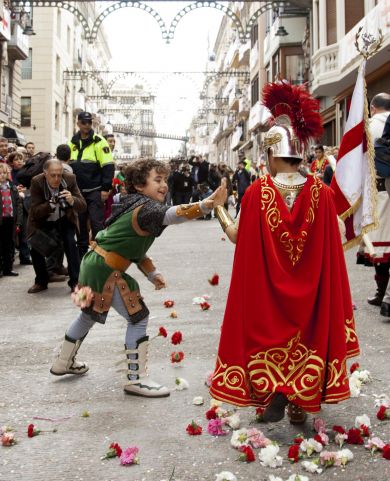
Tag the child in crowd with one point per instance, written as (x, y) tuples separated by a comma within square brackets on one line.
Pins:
[(11, 212), (131, 230)]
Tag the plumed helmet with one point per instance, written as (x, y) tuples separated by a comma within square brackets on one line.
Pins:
[(293, 118)]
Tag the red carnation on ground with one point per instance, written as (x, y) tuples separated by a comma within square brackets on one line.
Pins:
[(169, 303), (386, 451), (116, 448), (211, 413), (293, 453), (364, 430), (32, 431), (383, 413), (176, 338), (260, 414), (318, 438), (194, 429), (247, 455), (355, 436), (205, 306), (214, 281), (298, 440), (339, 429), (162, 332), (354, 367), (177, 356)]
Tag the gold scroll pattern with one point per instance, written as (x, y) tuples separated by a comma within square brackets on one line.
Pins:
[(293, 246), (350, 333), (294, 366), (269, 204)]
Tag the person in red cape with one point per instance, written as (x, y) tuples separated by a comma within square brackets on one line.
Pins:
[(288, 327)]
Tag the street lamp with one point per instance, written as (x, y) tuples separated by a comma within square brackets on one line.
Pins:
[(81, 90), (28, 27)]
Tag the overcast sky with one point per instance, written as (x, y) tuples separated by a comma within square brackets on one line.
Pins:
[(137, 45)]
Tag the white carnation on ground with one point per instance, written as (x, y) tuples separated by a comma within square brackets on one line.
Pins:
[(344, 456), (239, 438), (198, 401), (363, 420), (364, 376), (225, 476), (271, 477), (181, 384), (297, 477), (233, 421), (268, 456), (309, 446), (311, 467), (355, 385)]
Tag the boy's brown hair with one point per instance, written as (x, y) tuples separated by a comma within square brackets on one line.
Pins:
[(14, 156), (138, 172)]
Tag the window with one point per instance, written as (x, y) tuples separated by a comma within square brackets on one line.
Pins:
[(27, 66), (255, 90), (25, 118), (59, 23), (68, 38), (331, 22), (294, 69), (275, 66), (354, 12), (254, 34), (268, 77), (57, 116), (58, 70)]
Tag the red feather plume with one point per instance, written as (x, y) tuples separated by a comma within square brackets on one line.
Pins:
[(283, 98)]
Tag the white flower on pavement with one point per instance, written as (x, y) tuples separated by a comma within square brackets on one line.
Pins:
[(181, 384), (225, 476), (363, 420), (198, 401), (268, 456), (271, 477), (364, 376), (311, 467), (340, 439), (233, 421), (309, 446), (355, 385), (381, 400), (214, 403), (297, 477), (344, 456), (239, 438)]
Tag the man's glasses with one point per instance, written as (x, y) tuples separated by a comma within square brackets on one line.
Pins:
[(86, 122)]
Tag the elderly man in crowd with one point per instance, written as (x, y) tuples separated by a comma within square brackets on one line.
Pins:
[(53, 220)]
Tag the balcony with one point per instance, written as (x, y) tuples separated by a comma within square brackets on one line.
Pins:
[(295, 27), (5, 25), (254, 56), (232, 55), (234, 97), (334, 66), (244, 54), (258, 116), (18, 45)]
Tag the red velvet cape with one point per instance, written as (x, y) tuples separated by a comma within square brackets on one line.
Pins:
[(288, 324)]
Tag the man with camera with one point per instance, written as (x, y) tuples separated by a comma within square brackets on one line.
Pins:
[(53, 221)]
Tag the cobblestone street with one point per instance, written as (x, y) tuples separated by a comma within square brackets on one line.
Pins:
[(32, 326)]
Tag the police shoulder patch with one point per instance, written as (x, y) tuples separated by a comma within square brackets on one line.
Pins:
[(106, 150)]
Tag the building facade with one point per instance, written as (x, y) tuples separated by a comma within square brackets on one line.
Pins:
[(14, 48), (49, 104)]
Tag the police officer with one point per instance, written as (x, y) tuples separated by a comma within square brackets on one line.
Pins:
[(92, 163)]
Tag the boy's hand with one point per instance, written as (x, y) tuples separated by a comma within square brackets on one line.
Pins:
[(159, 282)]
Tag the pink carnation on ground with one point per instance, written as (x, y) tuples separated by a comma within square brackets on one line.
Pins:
[(257, 438), (215, 427), (129, 456), (319, 425)]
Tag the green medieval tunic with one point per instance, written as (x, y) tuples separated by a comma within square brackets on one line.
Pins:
[(130, 233)]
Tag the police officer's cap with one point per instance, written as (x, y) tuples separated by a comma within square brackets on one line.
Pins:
[(86, 116)]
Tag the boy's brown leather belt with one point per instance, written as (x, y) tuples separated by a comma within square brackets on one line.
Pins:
[(112, 259)]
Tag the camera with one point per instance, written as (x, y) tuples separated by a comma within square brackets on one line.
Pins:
[(60, 201)]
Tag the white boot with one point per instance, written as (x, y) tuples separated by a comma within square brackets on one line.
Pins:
[(143, 385), (66, 362)]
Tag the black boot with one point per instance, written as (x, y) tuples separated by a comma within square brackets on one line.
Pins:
[(276, 410), (381, 281), (385, 309)]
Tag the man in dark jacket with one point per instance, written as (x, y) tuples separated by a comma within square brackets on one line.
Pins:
[(92, 163), (55, 203), (242, 180)]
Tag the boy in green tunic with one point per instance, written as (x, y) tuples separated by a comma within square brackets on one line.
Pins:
[(130, 232)]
